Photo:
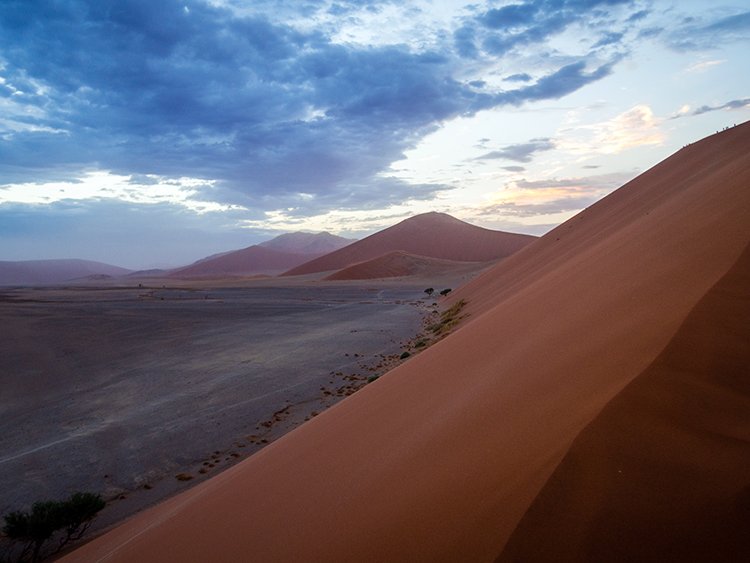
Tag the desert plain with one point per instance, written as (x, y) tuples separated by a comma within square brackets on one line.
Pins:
[(136, 390)]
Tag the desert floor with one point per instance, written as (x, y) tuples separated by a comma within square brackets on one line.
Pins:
[(121, 389)]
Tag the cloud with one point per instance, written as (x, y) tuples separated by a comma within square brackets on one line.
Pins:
[(638, 16), (236, 96), (733, 104), (609, 38), (524, 23), (730, 105), (696, 34), (514, 168), (704, 66), (635, 127), (519, 77), (522, 152), (559, 205), (560, 83)]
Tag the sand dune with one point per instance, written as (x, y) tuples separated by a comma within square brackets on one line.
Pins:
[(435, 235), (441, 458), (396, 264), (270, 257), (54, 271), (661, 474), (307, 243), (246, 262)]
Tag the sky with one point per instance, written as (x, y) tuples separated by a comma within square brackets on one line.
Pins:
[(151, 134)]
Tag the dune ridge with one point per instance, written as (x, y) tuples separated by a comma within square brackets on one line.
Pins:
[(396, 264), (434, 235), (307, 243), (248, 261), (443, 456)]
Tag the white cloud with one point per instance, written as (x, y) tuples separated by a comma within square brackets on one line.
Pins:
[(635, 127), (703, 66), (102, 185)]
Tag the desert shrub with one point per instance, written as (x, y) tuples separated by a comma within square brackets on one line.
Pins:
[(445, 291), (69, 519), (420, 344), (448, 318), (404, 355), (372, 378), (429, 291)]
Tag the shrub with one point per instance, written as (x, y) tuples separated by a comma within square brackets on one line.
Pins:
[(445, 291), (33, 529), (429, 291), (405, 355)]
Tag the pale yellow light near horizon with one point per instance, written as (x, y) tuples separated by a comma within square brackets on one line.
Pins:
[(103, 185)]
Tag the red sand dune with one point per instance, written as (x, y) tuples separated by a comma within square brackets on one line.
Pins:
[(396, 264), (441, 458), (307, 243), (435, 235), (661, 474), (245, 262)]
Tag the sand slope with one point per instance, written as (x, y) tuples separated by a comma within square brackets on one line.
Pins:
[(307, 243), (248, 261), (441, 458), (435, 235), (54, 271), (396, 264), (662, 473)]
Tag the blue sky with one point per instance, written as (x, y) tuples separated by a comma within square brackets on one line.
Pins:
[(148, 133)]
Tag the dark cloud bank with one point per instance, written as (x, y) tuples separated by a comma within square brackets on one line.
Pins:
[(186, 89)]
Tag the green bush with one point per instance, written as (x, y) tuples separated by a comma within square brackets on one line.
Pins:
[(33, 529), (405, 355)]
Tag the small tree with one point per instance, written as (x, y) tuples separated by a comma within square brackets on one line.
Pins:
[(429, 291), (33, 529), (77, 514), (445, 292)]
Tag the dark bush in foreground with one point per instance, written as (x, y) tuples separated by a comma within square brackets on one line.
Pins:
[(68, 519)]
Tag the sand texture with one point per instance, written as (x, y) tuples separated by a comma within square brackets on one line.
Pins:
[(307, 243), (248, 261), (661, 474), (400, 264), (441, 458), (435, 235)]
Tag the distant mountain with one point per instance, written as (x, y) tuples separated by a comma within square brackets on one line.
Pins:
[(54, 271), (435, 235), (249, 261), (151, 273), (307, 243), (270, 257)]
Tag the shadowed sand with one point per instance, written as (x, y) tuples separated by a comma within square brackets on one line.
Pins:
[(661, 474), (441, 458)]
